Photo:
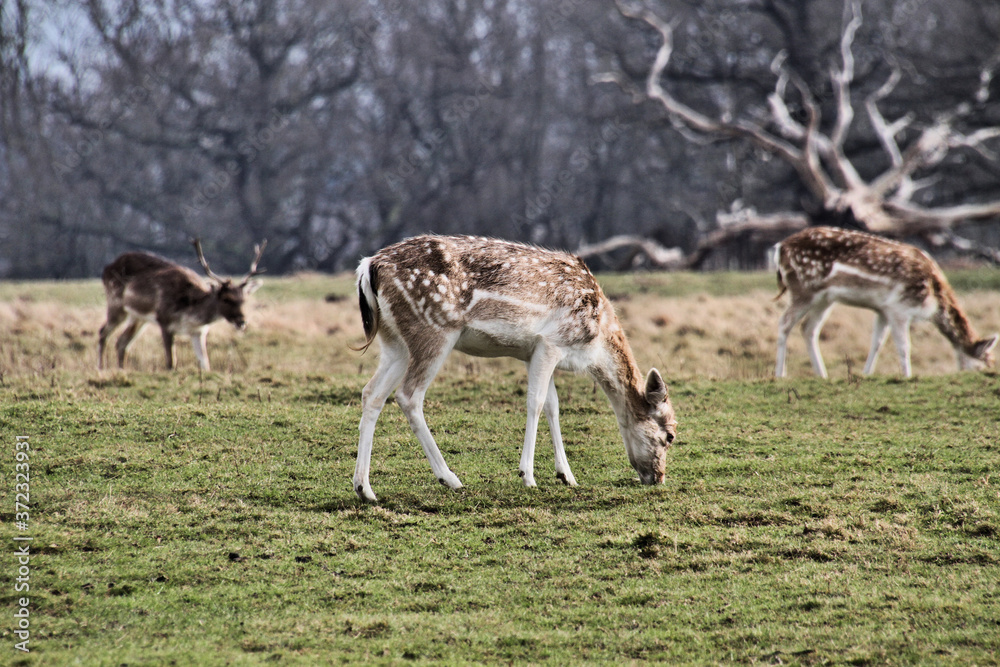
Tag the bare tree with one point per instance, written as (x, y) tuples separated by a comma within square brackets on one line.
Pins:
[(206, 123), (814, 147), (334, 128)]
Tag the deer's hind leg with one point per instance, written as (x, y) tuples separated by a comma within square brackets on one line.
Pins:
[(116, 315), (815, 319), (391, 367), (421, 368), (132, 329), (796, 311)]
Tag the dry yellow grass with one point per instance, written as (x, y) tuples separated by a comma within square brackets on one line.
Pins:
[(293, 329), (736, 337)]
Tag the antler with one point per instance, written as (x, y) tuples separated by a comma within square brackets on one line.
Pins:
[(258, 250), (204, 262)]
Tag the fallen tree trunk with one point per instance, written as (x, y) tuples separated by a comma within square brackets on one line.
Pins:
[(628, 253)]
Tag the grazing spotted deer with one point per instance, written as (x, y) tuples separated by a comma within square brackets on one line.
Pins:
[(429, 295), (821, 266), (143, 288)]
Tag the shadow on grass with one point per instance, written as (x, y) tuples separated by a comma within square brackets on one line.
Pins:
[(618, 494)]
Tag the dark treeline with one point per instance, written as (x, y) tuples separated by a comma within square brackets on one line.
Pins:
[(332, 127)]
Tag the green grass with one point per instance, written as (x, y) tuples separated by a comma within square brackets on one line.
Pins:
[(211, 521), (66, 292), (91, 293), (202, 519)]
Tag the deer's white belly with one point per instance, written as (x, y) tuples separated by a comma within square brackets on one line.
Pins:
[(142, 316), (883, 299), (506, 339), (496, 339), (187, 325)]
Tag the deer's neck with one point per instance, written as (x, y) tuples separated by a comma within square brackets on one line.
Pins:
[(208, 310), (950, 319), (193, 302), (618, 375)]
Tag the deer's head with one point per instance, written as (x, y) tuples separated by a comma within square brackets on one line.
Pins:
[(229, 294), (652, 430)]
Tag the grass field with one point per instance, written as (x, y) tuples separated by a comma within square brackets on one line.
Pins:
[(194, 518)]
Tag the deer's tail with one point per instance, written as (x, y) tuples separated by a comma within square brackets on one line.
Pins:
[(774, 260), (368, 301)]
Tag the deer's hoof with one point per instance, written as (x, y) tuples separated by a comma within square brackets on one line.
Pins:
[(566, 478), (451, 481)]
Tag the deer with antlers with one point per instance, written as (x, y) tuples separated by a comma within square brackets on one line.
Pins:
[(822, 266), (143, 288), (429, 295)]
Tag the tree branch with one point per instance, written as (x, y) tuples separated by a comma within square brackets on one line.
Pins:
[(682, 114), (843, 78)]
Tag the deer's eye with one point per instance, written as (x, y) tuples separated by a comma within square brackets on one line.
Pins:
[(670, 437)]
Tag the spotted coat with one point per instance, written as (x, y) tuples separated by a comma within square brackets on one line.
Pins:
[(820, 266), (428, 295)]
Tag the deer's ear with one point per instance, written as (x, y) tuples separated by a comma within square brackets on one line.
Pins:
[(656, 388), (986, 345), (251, 287)]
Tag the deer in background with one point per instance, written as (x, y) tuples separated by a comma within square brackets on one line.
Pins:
[(143, 288), (429, 295), (821, 266)]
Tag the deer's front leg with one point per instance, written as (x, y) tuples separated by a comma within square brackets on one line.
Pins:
[(168, 346), (901, 337), (540, 368), (199, 342)]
